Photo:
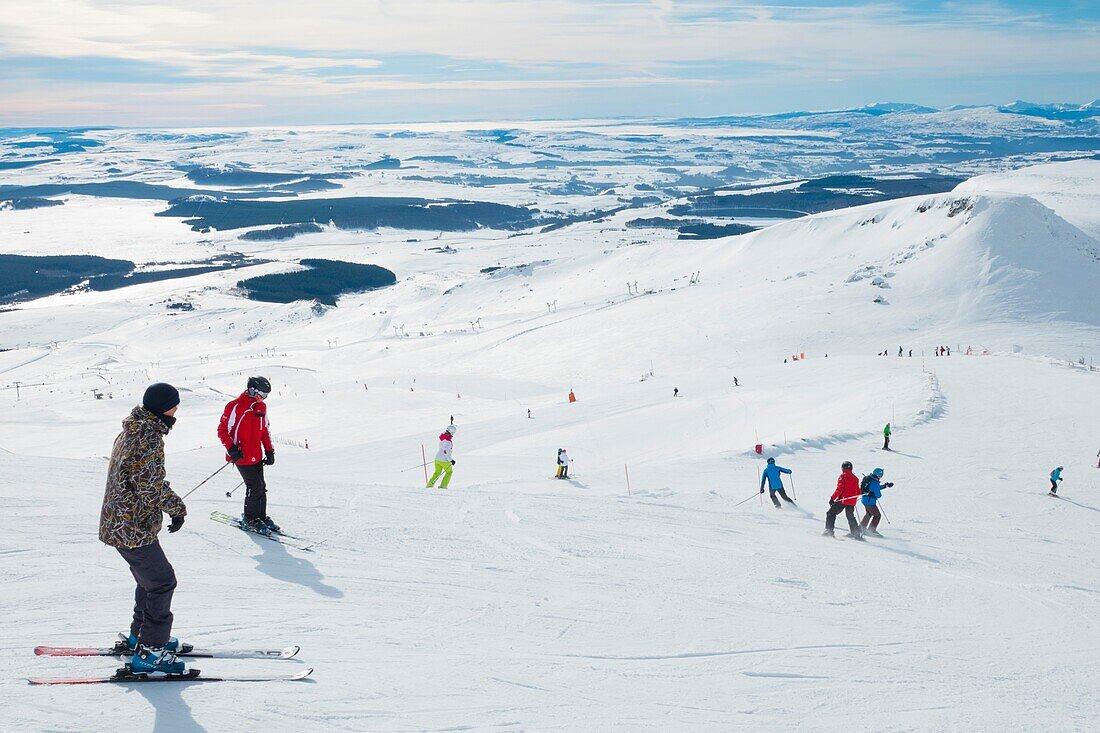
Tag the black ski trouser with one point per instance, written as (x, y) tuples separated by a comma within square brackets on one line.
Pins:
[(781, 492), (886, 442), (255, 496), (872, 516), (156, 582), (1053, 486), (849, 512)]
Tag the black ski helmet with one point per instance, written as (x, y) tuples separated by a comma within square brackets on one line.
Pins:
[(260, 384), (846, 466), (771, 461)]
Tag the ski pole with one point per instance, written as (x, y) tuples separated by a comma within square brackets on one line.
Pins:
[(884, 514), (229, 494), (403, 470), (742, 502), (792, 488), (192, 491)]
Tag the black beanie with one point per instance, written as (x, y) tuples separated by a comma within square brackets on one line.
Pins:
[(160, 398)]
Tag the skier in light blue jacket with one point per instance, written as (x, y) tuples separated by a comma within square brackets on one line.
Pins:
[(871, 490), (1055, 477), (772, 476)]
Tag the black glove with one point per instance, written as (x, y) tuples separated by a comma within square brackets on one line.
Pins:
[(269, 458), (177, 522), (887, 485), (235, 453), (452, 462), (832, 501), (761, 489)]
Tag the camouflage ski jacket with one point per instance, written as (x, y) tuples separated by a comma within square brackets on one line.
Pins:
[(137, 495)]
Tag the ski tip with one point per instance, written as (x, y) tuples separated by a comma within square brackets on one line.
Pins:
[(303, 674), (60, 651), (291, 651)]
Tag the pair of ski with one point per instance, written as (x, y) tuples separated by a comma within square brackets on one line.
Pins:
[(124, 675), (298, 543)]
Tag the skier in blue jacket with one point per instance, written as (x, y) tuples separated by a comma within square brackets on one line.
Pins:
[(871, 490), (775, 484), (1055, 477)]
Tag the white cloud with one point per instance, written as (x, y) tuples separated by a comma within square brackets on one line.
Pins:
[(331, 47)]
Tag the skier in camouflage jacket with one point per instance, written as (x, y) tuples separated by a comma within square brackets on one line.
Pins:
[(137, 494), (134, 502)]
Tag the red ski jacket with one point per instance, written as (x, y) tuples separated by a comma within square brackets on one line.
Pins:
[(847, 489), (244, 423)]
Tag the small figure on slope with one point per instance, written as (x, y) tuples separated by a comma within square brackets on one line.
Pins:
[(1055, 477), (563, 463), (134, 502), (871, 491), (772, 475), (844, 500), (244, 430), (443, 461), (886, 437)]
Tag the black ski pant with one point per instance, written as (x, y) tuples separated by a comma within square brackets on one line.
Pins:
[(156, 582), (886, 442), (255, 496), (1053, 486), (849, 512), (872, 516), (781, 492)]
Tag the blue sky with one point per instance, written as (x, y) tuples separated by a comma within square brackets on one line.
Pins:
[(203, 62)]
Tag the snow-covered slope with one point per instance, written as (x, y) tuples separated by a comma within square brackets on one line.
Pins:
[(518, 602)]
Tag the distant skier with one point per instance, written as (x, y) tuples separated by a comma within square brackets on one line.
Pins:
[(563, 463), (557, 474), (901, 352), (244, 431), (443, 461), (134, 502), (886, 437), (871, 491), (528, 413), (772, 476), (735, 384), (1055, 477), (844, 500), (675, 391)]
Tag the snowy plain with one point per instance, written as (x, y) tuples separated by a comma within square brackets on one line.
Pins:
[(512, 601)]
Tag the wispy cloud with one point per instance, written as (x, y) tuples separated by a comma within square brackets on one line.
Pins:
[(325, 49)]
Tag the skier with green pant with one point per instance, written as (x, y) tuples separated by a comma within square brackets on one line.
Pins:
[(443, 460)]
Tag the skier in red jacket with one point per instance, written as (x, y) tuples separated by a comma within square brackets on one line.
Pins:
[(243, 431), (844, 499)]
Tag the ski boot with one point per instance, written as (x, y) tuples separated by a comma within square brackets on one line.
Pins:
[(828, 533), (256, 526), (270, 524), (156, 660), (130, 645), (856, 536), (872, 532)]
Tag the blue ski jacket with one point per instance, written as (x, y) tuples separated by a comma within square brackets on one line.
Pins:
[(771, 476), (1056, 474), (872, 492)]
